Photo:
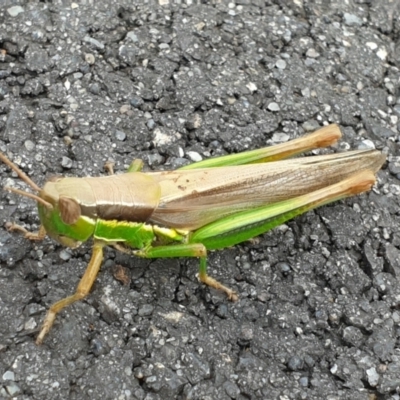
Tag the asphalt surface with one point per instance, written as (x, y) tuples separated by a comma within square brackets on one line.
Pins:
[(318, 315)]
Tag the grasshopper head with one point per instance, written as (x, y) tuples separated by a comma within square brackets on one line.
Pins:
[(63, 220), (54, 214)]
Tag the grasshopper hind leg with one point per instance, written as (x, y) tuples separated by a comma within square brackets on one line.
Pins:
[(209, 281)]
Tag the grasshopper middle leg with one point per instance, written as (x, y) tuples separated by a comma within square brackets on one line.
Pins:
[(189, 250)]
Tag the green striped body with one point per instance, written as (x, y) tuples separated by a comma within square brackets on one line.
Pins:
[(137, 235)]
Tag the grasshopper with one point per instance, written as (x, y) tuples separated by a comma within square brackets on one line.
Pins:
[(204, 206)]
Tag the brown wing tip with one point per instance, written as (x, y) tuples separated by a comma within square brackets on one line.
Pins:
[(326, 136), (359, 183), (380, 160)]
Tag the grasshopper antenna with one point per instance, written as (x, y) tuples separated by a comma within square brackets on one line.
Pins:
[(30, 195), (27, 180), (20, 173)]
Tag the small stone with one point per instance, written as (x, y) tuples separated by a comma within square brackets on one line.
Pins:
[(252, 87), (372, 376), (222, 311), (155, 159), (66, 162), (353, 336), (246, 334), (310, 126), (280, 64), (162, 138), (94, 88), (366, 145), (89, 58), (124, 109), (351, 20), (151, 124), (30, 324), (29, 145), (194, 156), (146, 310), (120, 135), (382, 53), (13, 389), (283, 267), (280, 137), (194, 122), (312, 53), (136, 101), (132, 35), (9, 376), (295, 363), (65, 255), (304, 381), (273, 106), (15, 10), (372, 45), (232, 390)]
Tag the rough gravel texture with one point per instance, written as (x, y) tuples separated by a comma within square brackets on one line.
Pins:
[(319, 309)]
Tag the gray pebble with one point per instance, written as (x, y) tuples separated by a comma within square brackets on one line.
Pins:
[(89, 58), (151, 124), (13, 389), (65, 255), (351, 20), (120, 135), (312, 53), (29, 145), (66, 162), (146, 310), (194, 156), (372, 376), (15, 10), (8, 376), (281, 64), (273, 106)]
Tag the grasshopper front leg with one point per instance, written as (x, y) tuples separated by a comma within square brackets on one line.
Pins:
[(82, 290), (188, 250), (40, 235)]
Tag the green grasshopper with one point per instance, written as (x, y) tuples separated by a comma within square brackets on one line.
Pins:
[(205, 206)]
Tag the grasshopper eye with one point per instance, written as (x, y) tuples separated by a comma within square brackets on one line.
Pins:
[(70, 210)]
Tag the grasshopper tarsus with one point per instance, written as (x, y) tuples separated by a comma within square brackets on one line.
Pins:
[(46, 326), (209, 281), (109, 167)]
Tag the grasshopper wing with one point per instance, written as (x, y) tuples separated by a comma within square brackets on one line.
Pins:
[(193, 198)]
